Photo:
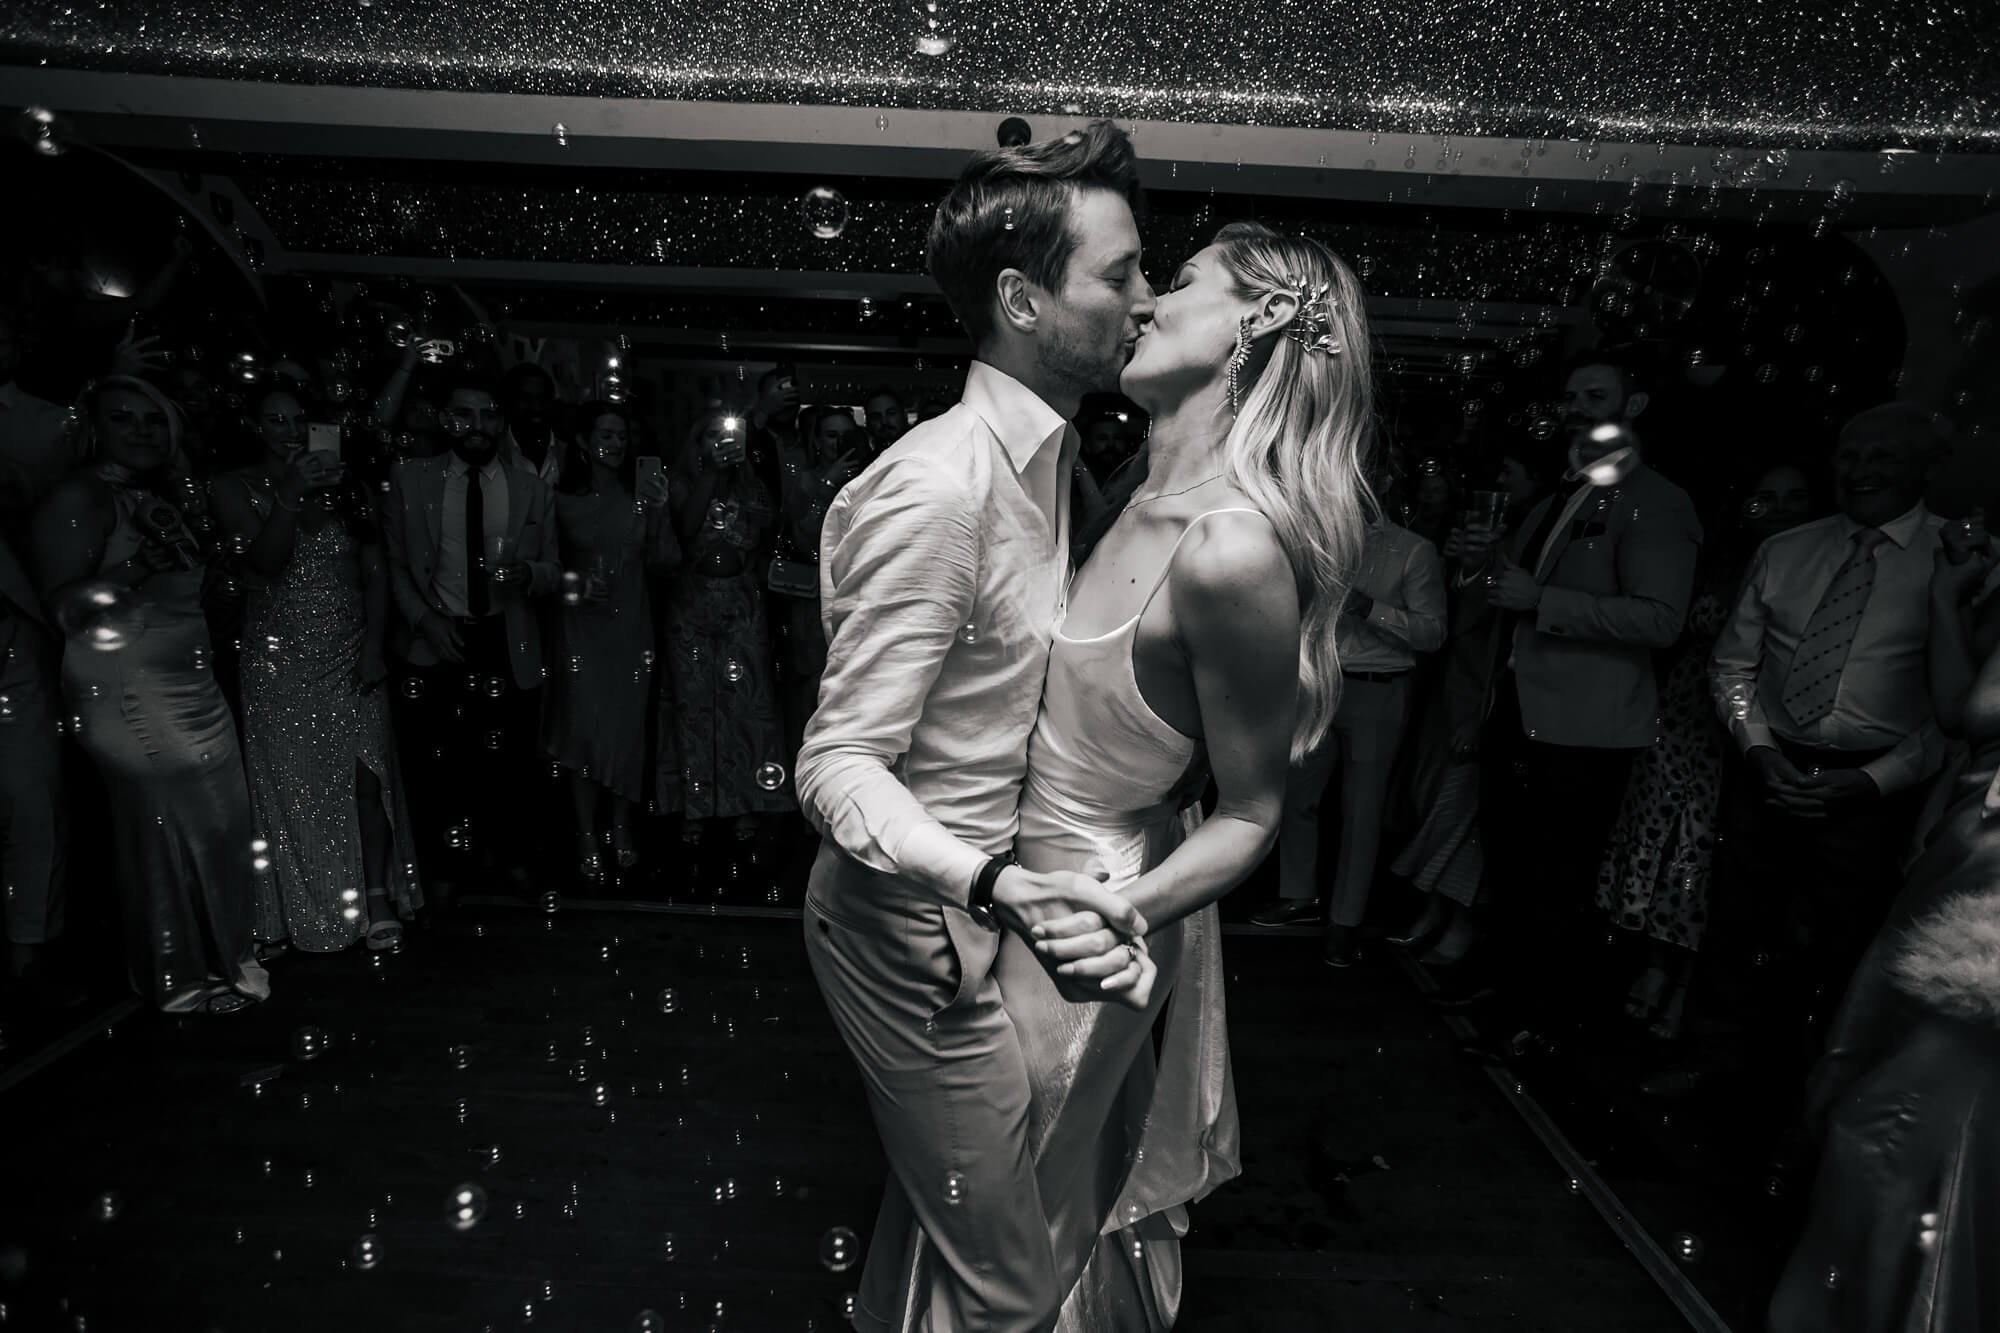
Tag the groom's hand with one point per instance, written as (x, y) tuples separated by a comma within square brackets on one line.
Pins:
[(1123, 974), (1025, 899)]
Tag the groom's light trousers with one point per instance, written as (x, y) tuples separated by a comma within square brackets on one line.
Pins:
[(961, 1244)]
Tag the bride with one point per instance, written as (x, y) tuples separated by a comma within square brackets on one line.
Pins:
[(1199, 637)]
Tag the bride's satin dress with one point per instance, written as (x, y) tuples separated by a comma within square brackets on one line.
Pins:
[(1122, 1143)]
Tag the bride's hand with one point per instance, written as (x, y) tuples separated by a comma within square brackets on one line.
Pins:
[(1131, 974)]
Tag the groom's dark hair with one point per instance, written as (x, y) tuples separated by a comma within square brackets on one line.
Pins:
[(1010, 209)]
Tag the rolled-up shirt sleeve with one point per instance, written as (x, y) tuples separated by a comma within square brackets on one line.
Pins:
[(899, 575)]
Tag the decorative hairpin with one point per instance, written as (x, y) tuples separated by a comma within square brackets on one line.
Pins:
[(1312, 327)]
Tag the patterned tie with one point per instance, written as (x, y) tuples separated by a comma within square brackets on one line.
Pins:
[(475, 545), (1814, 679)]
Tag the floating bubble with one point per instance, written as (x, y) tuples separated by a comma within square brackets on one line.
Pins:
[(308, 1043), (826, 212), (107, 1206), (98, 613), (1688, 1248), (461, 1056), (47, 133), (968, 633), (838, 1249), (770, 776), (551, 902), (667, 1247), (732, 671), (649, 1321), (367, 1253), (571, 588), (668, 1001), (494, 687), (954, 1188), (1831, 1279)]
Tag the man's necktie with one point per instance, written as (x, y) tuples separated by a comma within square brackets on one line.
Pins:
[(475, 545), (1814, 680)]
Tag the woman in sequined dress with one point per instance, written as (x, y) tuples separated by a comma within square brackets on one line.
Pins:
[(116, 557), (612, 531), (720, 734), (325, 791)]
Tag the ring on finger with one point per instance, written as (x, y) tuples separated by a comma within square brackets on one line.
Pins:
[(1131, 951)]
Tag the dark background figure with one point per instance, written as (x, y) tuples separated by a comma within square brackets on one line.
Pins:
[(326, 789), (471, 542), (886, 420), (533, 439), (115, 555), (1820, 674), (721, 743), (1597, 581), (1655, 877), (836, 451), (614, 537)]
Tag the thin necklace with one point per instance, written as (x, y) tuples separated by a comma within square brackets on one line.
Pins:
[(1135, 502)]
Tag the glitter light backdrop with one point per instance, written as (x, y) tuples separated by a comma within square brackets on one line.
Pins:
[(1791, 72)]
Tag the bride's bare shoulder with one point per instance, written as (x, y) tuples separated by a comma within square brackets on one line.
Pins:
[(1232, 564)]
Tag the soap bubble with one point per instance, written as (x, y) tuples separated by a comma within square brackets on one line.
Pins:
[(669, 1001), (107, 1206), (367, 1253), (838, 1249), (561, 132), (461, 1056), (826, 212), (47, 133), (732, 671), (572, 587), (931, 42), (551, 902), (308, 1043), (770, 776), (1688, 1247), (649, 1321), (954, 1188), (98, 613)]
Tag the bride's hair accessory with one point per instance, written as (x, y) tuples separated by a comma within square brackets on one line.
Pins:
[(1312, 327)]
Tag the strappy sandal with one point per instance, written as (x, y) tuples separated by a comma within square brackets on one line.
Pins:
[(590, 865), (224, 1002), (385, 934)]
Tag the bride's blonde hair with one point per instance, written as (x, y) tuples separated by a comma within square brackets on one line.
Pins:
[(1299, 446)]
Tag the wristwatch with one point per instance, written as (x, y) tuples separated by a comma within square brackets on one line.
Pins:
[(980, 905)]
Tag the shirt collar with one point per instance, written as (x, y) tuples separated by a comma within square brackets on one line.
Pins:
[(1901, 530), (1014, 413), (491, 469)]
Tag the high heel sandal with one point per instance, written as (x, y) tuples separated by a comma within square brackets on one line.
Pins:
[(590, 865), (619, 839), (1418, 936)]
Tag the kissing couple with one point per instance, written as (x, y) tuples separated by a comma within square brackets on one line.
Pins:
[(1009, 890)]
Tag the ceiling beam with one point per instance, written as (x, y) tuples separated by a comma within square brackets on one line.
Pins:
[(161, 112)]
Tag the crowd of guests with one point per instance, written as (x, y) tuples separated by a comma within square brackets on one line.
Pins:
[(318, 651)]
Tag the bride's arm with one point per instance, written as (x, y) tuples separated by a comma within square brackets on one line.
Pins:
[(1236, 610)]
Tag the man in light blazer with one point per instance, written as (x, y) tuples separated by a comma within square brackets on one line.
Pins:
[(471, 542), (1595, 581)]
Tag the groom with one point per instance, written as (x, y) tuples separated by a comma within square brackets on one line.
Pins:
[(944, 571)]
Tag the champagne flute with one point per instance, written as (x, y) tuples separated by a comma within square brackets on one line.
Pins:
[(499, 555)]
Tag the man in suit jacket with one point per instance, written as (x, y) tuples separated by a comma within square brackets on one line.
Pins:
[(1595, 581), (471, 541)]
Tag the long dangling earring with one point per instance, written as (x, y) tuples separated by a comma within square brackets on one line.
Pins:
[(1239, 359)]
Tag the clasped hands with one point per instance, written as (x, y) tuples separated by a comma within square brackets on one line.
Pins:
[(1089, 939), (1814, 795)]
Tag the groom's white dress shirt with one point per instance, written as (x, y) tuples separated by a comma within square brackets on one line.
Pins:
[(944, 571)]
